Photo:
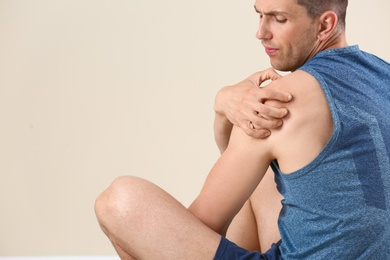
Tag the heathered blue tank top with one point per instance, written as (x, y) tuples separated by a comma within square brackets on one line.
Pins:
[(338, 206)]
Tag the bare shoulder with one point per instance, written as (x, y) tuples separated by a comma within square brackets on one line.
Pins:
[(309, 125), (305, 131)]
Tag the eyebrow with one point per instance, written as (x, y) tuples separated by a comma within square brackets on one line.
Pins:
[(271, 13)]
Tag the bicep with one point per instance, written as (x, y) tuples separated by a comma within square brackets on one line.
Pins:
[(232, 180)]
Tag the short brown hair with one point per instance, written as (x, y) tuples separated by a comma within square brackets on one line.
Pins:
[(317, 7)]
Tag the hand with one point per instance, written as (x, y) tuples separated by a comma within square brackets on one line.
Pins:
[(243, 104)]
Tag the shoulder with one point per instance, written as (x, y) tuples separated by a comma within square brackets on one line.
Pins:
[(305, 131), (306, 91), (308, 126), (295, 81)]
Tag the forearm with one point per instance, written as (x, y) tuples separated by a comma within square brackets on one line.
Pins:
[(222, 130), (231, 181), (221, 195)]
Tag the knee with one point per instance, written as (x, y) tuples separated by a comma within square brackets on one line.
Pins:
[(119, 198)]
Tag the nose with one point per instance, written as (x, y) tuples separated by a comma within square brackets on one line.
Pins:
[(263, 32)]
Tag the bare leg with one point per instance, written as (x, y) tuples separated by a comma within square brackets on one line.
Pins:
[(256, 223), (145, 222), (122, 254), (243, 229), (266, 203)]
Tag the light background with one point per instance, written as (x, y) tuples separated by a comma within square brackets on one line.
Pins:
[(93, 89)]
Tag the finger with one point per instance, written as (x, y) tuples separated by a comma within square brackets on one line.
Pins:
[(269, 93), (259, 77), (262, 110), (262, 76), (270, 74), (257, 133), (262, 123)]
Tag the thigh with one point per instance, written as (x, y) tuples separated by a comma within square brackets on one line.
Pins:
[(266, 205), (148, 223), (243, 229), (255, 226)]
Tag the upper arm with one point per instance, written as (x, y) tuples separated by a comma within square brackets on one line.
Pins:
[(308, 126)]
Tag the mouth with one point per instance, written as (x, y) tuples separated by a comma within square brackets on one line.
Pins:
[(270, 51)]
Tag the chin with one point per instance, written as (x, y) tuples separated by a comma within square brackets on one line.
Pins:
[(283, 66)]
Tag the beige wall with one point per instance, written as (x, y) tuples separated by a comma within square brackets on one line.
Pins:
[(93, 89)]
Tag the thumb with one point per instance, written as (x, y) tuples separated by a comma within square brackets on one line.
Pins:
[(268, 74)]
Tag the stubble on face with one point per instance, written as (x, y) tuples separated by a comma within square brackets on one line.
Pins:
[(296, 40), (296, 53)]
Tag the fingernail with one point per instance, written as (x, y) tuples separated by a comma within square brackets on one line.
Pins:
[(289, 97)]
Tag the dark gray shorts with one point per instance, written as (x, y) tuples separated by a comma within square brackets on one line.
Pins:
[(227, 250)]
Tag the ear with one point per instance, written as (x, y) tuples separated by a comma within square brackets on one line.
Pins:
[(328, 23)]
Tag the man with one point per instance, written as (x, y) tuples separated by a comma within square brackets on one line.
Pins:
[(330, 157)]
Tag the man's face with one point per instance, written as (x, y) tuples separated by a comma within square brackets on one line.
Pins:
[(286, 31)]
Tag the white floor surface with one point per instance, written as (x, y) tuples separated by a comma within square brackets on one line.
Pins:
[(59, 258)]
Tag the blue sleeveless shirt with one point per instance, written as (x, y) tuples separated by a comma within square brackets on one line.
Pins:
[(338, 206)]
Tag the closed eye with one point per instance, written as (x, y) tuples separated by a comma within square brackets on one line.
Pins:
[(280, 20)]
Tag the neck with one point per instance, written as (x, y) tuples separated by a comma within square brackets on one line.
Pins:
[(336, 40)]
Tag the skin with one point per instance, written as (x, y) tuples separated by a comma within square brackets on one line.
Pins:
[(144, 222), (249, 99), (280, 31), (255, 227)]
